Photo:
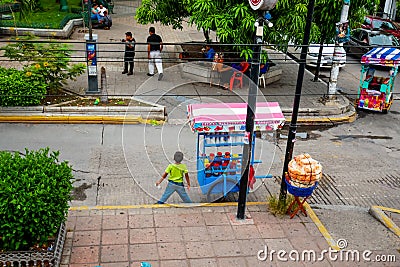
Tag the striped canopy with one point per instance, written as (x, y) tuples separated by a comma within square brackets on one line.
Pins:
[(383, 56), (231, 117)]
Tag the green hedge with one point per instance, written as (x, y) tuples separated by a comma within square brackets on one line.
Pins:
[(38, 25), (20, 88), (35, 191)]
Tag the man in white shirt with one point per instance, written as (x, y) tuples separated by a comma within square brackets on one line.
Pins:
[(101, 10)]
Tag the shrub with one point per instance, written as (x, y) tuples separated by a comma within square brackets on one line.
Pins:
[(34, 193), (51, 61), (21, 88)]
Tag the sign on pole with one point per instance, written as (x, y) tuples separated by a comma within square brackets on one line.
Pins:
[(262, 4)]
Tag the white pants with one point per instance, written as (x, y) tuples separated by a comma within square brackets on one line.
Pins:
[(155, 57)]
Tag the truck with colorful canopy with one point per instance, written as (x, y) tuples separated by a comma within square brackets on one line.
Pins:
[(376, 92), (221, 135)]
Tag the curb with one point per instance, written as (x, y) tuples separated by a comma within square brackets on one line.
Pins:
[(59, 33), (377, 212)]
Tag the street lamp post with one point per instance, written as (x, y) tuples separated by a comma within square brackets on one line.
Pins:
[(293, 123), (261, 5)]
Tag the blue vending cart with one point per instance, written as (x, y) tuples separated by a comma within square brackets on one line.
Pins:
[(221, 134)]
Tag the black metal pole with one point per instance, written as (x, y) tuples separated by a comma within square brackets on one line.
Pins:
[(251, 107), (90, 20), (296, 103)]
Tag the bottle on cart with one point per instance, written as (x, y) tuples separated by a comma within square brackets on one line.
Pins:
[(232, 166), (227, 158), (218, 158), (216, 169)]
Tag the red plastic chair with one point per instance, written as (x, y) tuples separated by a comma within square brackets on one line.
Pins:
[(238, 75)]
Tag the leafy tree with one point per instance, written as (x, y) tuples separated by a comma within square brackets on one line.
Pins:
[(233, 20), (289, 19)]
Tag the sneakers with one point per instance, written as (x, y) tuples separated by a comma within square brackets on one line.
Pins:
[(160, 76), (149, 74)]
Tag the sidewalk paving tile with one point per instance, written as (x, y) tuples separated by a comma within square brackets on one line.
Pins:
[(195, 233), (226, 248), (88, 223), (119, 221), (171, 250), (271, 230), (231, 261), (114, 237), (170, 234), (86, 238), (295, 229), (221, 232), (199, 249), (143, 252), (174, 263), (88, 254), (114, 253), (145, 235), (250, 247), (203, 262), (216, 218), (141, 221), (245, 231)]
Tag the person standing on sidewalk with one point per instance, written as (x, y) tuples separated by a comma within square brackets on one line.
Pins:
[(176, 172), (129, 55), (154, 49)]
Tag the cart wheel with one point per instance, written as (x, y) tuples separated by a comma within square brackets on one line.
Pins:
[(219, 188)]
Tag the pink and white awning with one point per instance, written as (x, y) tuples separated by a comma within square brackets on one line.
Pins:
[(229, 117)]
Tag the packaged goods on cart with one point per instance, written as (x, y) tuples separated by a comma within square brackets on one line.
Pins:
[(304, 171)]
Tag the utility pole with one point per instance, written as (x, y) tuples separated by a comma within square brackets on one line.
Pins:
[(342, 29), (300, 75), (262, 6)]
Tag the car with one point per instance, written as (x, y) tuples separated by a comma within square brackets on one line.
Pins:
[(363, 40), (385, 25), (327, 56)]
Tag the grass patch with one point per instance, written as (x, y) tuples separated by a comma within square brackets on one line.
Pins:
[(49, 16), (279, 208)]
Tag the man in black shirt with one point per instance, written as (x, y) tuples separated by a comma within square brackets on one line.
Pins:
[(129, 55), (154, 49)]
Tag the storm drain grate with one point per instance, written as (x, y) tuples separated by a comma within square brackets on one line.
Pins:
[(359, 191)]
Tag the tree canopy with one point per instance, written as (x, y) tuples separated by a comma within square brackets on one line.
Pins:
[(233, 20)]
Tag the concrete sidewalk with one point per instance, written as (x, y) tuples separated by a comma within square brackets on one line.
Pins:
[(210, 235), (192, 236)]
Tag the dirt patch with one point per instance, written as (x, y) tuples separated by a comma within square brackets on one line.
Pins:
[(96, 102), (78, 193)]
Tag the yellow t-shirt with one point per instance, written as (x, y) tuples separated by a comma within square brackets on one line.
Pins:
[(176, 172)]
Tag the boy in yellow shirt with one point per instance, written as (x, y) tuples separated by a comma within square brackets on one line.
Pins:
[(175, 181)]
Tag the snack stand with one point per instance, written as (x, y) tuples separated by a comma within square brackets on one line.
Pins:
[(375, 92), (221, 135)]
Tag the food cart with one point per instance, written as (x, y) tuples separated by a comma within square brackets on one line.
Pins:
[(376, 92), (221, 135)]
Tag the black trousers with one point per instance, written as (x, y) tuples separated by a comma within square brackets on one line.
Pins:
[(131, 65), (128, 58)]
